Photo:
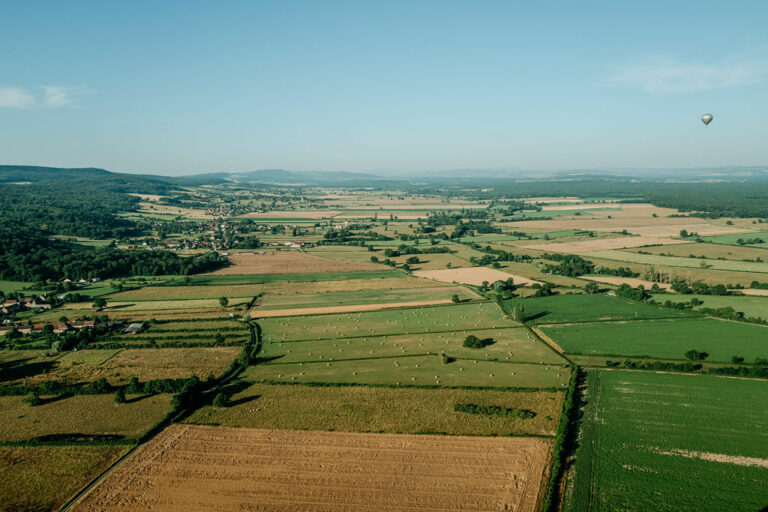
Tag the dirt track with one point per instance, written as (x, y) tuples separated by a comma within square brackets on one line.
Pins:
[(196, 468)]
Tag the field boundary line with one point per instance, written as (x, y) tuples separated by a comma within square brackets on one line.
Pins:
[(691, 374), (627, 321), (352, 338), (448, 305), (253, 347), (549, 342), (119, 350)]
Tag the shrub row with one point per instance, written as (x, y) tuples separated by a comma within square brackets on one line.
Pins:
[(494, 410)]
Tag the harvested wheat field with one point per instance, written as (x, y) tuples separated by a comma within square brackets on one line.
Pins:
[(657, 229), (288, 262), (600, 244), (755, 292), (472, 275), (189, 468)]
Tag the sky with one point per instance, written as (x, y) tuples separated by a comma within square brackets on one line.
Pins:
[(382, 86)]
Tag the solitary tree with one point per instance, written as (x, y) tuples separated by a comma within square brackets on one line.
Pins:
[(473, 341), (592, 288), (99, 304), (455, 299), (223, 302), (32, 399), (695, 355), (120, 396), (518, 313), (220, 400)]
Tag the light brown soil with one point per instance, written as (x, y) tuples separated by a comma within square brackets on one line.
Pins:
[(601, 244), (674, 229), (147, 197), (288, 262), (472, 275), (560, 207), (197, 468), (720, 457), (549, 341), (549, 199), (755, 291), (343, 309)]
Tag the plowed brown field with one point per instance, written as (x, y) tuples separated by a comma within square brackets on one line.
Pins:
[(191, 468)]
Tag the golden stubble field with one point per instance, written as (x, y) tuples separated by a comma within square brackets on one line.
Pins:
[(473, 275), (282, 262), (199, 468), (600, 244)]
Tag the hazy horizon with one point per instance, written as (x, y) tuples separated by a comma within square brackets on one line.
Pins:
[(189, 88)]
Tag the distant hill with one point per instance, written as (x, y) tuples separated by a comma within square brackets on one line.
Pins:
[(71, 177), (152, 183), (288, 177)]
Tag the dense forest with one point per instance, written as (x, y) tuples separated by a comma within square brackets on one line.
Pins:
[(715, 199), (73, 202), (36, 202), (27, 255)]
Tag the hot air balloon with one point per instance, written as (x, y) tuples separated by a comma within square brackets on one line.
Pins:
[(706, 119)]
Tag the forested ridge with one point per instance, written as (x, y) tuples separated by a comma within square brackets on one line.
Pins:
[(27, 255), (748, 198), (37, 202)]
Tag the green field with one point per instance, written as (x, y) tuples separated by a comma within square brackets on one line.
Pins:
[(515, 344), (368, 409), (414, 370), (751, 306), (81, 415), (666, 339), (670, 442), (732, 239), (558, 309), (674, 261), (13, 286), (391, 321), (439, 293)]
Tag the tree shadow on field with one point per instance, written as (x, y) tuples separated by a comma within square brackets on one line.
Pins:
[(118, 306), (54, 398), (536, 316), (262, 360), (244, 400), (138, 398), (21, 368), (235, 388)]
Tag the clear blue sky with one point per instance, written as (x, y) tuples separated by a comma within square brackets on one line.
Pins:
[(180, 87)]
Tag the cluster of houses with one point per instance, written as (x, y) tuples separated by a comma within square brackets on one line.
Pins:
[(76, 325), (38, 303)]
